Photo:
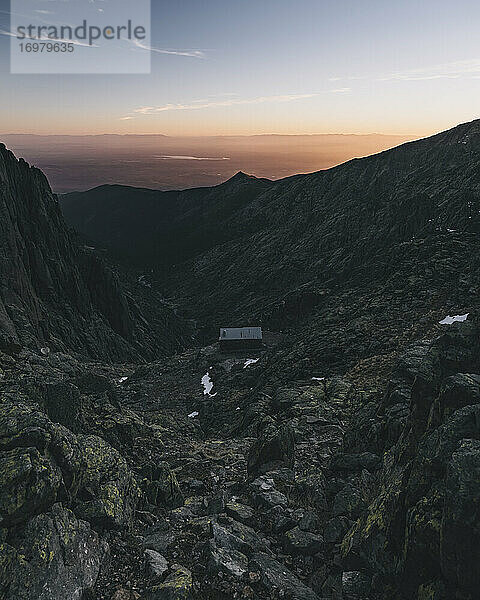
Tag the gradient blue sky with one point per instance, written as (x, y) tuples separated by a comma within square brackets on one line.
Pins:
[(271, 66)]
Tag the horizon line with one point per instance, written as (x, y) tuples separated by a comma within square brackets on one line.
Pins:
[(216, 135)]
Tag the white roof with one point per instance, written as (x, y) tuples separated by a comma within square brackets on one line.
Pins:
[(240, 333)]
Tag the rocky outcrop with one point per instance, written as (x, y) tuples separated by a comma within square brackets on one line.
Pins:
[(177, 586), (52, 556), (275, 448), (54, 294), (419, 535), (55, 489), (109, 490)]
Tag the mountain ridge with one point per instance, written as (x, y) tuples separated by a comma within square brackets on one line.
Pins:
[(332, 222)]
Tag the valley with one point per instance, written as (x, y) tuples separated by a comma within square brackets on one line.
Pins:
[(338, 462)]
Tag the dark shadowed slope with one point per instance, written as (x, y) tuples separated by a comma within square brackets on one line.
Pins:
[(52, 293), (161, 228), (349, 222)]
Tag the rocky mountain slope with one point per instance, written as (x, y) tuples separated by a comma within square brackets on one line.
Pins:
[(159, 229), (343, 260), (55, 294), (341, 462), (352, 222)]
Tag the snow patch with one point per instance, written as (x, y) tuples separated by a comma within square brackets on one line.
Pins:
[(122, 379), (250, 361), (448, 320), (193, 414), (207, 385), (318, 378)]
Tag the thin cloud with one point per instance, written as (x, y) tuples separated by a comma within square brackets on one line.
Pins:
[(51, 40), (196, 105), (169, 52), (8, 33), (452, 70), (210, 97), (190, 53)]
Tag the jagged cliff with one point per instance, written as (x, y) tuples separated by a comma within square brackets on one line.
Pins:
[(56, 294)]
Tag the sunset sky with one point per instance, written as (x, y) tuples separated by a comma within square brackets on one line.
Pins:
[(270, 66)]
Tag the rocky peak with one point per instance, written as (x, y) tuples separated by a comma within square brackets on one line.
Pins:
[(241, 176)]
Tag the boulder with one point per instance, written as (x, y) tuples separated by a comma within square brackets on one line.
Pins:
[(275, 578), (29, 484), (156, 564), (240, 512), (232, 535), (309, 521), (158, 537), (306, 543), (270, 499), (177, 586), (39, 461), (275, 448), (216, 504), (42, 462), (53, 557), (265, 494), (335, 529), (162, 488), (109, 493), (231, 561), (279, 519)]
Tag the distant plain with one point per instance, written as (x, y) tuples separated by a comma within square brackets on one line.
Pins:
[(76, 163)]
